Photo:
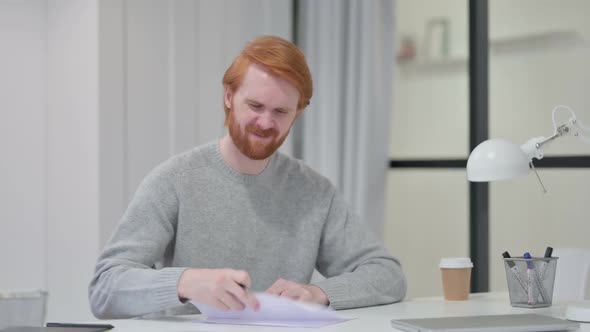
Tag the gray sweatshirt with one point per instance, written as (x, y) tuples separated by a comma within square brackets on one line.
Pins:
[(196, 211)]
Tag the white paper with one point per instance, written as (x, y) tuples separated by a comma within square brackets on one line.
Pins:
[(274, 311)]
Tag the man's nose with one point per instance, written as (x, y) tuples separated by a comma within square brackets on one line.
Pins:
[(265, 120)]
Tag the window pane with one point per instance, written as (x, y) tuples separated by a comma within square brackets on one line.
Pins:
[(426, 219), (539, 53), (429, 118), (522, 218)]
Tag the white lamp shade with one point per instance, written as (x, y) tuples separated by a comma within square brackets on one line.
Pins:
[(496, 159)]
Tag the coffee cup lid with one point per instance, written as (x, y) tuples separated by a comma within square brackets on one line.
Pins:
[(455, 262)]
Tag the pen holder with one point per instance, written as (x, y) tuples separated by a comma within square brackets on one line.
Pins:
[(23, 308), (530, 281)]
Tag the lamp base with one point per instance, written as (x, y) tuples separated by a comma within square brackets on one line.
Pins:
[(578, 311)]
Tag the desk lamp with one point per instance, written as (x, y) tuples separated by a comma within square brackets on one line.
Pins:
[(499, 159)]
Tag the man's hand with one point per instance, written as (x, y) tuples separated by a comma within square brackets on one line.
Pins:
[(223, 289), (295, 291)]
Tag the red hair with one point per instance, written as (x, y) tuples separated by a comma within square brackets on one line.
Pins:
[(279, 56)]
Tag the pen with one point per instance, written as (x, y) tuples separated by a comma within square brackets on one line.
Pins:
[(535, 278), (98, 326), (530, 292), (543, 268), (515, 271), (548, 252)]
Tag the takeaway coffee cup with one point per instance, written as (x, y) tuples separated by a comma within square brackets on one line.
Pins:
[(456, 277)]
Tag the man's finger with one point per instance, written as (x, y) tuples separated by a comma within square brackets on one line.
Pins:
[(278, 287), (231, 301), (292, 293), (252, 301), (243, 295), (274, 290), (242, 278)]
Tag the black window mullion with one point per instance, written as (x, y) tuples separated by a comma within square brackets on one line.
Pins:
[(478, 132)]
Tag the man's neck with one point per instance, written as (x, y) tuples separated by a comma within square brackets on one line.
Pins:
[(235, 159)]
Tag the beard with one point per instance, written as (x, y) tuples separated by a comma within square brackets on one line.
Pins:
[(253, 149)]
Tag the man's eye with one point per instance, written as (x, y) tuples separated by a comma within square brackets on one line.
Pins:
[(255, 106), (281, 111)]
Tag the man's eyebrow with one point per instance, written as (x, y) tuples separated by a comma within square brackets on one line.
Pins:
[(252, 101), (255, 102), (284, 109)]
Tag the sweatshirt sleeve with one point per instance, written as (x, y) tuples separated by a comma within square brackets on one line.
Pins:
[(358, 269), (126, 283)]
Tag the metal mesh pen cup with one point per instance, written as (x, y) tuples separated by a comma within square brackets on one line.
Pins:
[(530, 281), (23, 308)]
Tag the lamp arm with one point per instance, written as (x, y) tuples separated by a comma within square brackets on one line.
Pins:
[(533, 148), (560, 131), (573, 126)]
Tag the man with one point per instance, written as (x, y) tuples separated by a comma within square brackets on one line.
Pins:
[(234, 217)]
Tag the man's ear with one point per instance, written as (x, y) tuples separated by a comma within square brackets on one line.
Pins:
[(227, 96)]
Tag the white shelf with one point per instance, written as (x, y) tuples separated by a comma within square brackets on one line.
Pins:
[(442, 64), (534, 40), (539, 36)]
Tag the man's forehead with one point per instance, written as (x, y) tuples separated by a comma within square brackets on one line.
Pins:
[(259, 74), (255, 69), (261, 85)]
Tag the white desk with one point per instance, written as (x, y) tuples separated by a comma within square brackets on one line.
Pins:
[(368, 319)]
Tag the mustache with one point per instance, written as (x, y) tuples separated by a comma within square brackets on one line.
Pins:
[(253, 129)]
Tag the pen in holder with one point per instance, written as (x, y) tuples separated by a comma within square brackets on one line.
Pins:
[(530, 281)]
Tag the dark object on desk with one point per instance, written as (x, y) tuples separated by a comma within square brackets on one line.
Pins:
[(54, 329), (103, 327), (496, 323)]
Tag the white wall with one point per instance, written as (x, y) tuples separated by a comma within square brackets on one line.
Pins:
[(94, 94), (72, 150), (23, 180), (49, 143)]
